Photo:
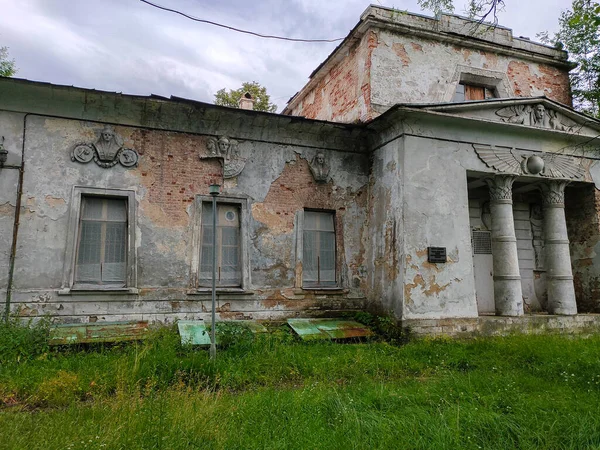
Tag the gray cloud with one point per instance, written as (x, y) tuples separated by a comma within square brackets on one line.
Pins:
[(130, 47)]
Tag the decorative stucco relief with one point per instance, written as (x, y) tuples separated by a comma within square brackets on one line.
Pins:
[(510, 160), (107, 151), (229, 152), (319, 168), (536, 116)]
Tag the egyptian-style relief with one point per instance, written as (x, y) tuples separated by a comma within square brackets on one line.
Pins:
[(536, 219), (500, 187), (319, 168), (535, 116), (510, 160), (107, 151), (228, 150)]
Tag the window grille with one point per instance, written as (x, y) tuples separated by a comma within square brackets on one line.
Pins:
[(482, 242), (102, 243), (228, 268), (318, 249)]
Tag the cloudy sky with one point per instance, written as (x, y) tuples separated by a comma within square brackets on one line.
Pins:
[(130, 47)]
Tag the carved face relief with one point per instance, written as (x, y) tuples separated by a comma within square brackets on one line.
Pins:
[(107, 151), (536, 116), (539, 113), (228, 151), (319, 168)]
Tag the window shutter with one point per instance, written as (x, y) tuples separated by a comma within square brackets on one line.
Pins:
[(102, 249), (228, 269), (318, 252)]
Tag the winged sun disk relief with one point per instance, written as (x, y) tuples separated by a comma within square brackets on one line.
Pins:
[(509, 160)]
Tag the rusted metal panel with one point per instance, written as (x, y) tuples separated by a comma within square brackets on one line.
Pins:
[(97, 332), (196, 332), (309, 329)]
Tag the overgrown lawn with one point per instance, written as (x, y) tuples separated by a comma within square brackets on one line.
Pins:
[(277, 392)]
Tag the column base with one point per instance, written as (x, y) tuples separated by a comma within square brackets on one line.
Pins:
[(561, 297), (508, 297)]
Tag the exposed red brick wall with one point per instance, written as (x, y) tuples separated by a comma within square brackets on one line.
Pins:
[(295, 190), (336, 96), (553, 82), (172, 172)]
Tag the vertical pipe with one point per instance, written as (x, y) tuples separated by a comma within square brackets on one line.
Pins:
[(13, 248), (213, 345)]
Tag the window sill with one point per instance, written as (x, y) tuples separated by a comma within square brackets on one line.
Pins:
[(208, 291), (325, 289), (96, 291)]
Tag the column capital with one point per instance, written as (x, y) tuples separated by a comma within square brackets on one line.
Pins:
[(553, 193), (500, 187)]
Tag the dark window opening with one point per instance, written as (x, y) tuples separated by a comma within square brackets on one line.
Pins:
[(468, 92)]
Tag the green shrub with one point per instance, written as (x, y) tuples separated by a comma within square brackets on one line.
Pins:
[(22, 341), (385, 326)]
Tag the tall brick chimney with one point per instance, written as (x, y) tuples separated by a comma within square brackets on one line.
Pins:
[(246, 101)]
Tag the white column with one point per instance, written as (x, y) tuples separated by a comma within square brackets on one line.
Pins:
[(559, 275), (508, 295)]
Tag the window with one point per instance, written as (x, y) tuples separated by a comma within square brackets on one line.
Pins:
[(100, 253), (318, 249), (228, 249), (469, 92), (102, 243)]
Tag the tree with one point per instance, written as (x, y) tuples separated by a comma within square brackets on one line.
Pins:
[(232, 97), (476, 9), (7, 66), (579, 34)]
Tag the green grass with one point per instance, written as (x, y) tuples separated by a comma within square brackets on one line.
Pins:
[(276, 392)]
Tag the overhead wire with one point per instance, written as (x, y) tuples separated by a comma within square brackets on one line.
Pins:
[(266, 36)]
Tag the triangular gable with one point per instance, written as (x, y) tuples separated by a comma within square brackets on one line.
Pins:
[(534, 112)]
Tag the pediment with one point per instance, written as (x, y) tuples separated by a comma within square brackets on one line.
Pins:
[(538, 113)]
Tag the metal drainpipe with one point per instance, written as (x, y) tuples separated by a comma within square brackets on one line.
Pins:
[(13, 248)]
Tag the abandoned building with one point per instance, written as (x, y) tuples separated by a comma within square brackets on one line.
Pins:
[(430, 168)]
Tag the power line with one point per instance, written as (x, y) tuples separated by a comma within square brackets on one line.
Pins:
[(266, 36)]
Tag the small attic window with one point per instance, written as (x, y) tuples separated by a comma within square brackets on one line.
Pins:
[(469, 92)]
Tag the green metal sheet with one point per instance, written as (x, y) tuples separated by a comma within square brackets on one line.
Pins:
[(309, 329), (195, 332), (97, 332)]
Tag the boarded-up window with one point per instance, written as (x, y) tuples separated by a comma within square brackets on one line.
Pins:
[(318, 252), (468, 92), (228, 268), (102, 242)]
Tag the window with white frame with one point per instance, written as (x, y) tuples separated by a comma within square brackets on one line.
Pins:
[(102, 242), (228, 269), (318, 249)]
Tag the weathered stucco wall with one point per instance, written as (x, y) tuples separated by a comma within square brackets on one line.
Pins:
[(409, 69), (582, 211), (343, 94), (276, 182), (435, 211), (386, 233), (395, 57)]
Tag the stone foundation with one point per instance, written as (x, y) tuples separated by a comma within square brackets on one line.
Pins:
[(501, 326)]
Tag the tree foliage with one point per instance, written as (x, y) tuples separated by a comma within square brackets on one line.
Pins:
[(7, 66), (482, 10), (232, 97), (579, 34)]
